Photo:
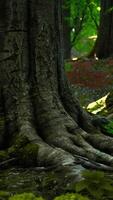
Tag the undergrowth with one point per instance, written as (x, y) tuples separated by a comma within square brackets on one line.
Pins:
[(95, 185), (109, 128)]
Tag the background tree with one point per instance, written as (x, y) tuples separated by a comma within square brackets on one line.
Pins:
[(42, 122), (80, 24), (104, 44)]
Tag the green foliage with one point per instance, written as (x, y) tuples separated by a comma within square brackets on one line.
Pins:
[(68, 67), (25, 196), (27, 155), (96, 184), (4, 195), (84, 21), (25, 151), (71, 196), (3, 155), (109, 127)]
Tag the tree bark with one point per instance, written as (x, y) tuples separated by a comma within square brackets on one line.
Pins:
[(103, 47), (66, 31), (41, 121)]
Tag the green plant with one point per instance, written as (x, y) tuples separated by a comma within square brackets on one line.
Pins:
[(83, 20), (109, 127), (71, 196), (68, 67), (25, 196), (4, 195), (96, 184)]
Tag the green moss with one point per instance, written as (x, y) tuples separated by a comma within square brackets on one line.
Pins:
[(28, 154), (109, 128), (4, 195), (71, 196), (25, 196), (95, 184), (3, 156), (68, 67), (24, 151), (12, 150), (19, 143)]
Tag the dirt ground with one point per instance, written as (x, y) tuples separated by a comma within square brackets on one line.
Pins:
[(91, 73)]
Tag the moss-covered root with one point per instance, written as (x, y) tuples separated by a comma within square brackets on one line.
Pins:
[(3, 156), (24, 151)]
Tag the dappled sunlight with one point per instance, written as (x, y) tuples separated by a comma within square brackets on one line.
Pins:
[(92, 37), (75, 58), (98, 8), (97, 106)]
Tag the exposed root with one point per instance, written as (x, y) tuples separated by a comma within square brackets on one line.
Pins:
[(77, 145), (101, 141), (61, 140)]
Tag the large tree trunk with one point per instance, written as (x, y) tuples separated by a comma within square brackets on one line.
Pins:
[(66, 30), (41, 122), (103, 47)]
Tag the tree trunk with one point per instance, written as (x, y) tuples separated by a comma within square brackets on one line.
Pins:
[(41, 122), (103, 47), (66, 31)]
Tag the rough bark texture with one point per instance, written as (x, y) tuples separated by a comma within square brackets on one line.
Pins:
[(66, 31), (104, 44), (41, 122)]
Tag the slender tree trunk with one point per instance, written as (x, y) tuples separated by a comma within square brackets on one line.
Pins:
[(41, 122), (103, 47)]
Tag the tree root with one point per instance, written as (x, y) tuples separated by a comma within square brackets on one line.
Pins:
[(60, 140)]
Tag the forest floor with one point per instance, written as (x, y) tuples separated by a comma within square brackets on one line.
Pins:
[(91, 73), (91, 80)]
